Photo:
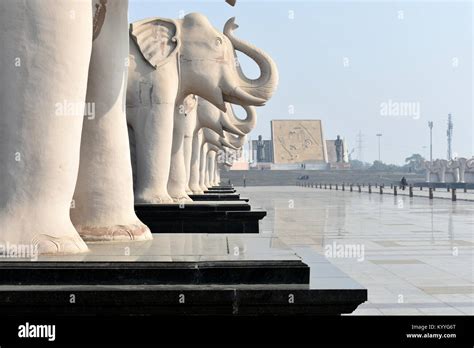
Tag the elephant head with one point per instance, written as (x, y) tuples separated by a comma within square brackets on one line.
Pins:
[(211, 117), (458, 168), (232, 142), (470, 164), (206, 59), (441, 164), (430, 166), (459, 162)]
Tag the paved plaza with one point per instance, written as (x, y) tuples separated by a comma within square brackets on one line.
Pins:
[(414, 255)]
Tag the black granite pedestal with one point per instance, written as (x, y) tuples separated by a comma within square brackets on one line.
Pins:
[(200, 217), (220, 191), (222, 187), (177, 275), (217, 197), (155, 272), (120, 300)]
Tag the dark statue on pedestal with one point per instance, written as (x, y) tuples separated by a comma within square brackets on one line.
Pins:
[(338, 143), (260, 149)]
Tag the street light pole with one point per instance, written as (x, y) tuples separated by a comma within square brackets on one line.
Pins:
[(379, 135), (430, 125)]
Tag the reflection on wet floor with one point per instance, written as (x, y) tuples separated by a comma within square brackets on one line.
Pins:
[(415, 256)]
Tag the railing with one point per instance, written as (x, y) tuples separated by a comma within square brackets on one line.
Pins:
[(395, 190)]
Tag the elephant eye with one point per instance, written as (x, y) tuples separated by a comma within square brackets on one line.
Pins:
[(218, 41)]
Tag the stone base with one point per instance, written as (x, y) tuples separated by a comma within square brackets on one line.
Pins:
[(220, 191), (200, 217), (222, 187), (178, 275), (155, 272), (165, 300), (218, 197)]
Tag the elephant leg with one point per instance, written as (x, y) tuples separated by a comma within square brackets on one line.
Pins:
[(133, 154), (195, 164), (217, 179), (203, 167), (104, 202), (153, 140), (214, 168), (188, 149), (214, 172), (209, 169), (44, 59), (177, 177)]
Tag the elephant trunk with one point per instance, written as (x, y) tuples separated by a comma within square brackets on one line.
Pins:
[(212, 147), (211, 137), (265, 85), (244, 126), (233, 142)]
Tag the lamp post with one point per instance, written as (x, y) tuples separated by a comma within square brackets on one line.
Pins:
[(430, 125), (379, 135)]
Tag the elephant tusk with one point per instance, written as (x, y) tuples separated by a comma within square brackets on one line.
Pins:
[(225, 143), (247, 98)]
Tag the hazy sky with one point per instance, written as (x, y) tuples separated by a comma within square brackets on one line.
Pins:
[(371, 66)]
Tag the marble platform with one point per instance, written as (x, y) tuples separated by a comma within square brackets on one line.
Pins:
[(177, 275), (418, 255), (192, 259), (201, 217)]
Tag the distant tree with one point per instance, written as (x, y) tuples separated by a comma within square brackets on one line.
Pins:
[(414, 162), (383, 167), (379, 166), (356, 164)]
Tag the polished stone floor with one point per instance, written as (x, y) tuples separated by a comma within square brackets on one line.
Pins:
[(414, 255)]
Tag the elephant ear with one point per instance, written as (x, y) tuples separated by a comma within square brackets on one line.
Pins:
[(157, 39)]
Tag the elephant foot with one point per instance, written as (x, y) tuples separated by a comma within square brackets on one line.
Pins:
[(182, 198), (117, 233), (196, 190), (154, 199), (50, 236), (49, 245)]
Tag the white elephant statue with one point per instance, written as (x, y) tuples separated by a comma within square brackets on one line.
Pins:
[(438, 167), (169, 60), (211, 118), (430, 168), (212, 143), (61, 61), (458, 166), (441, 166)]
